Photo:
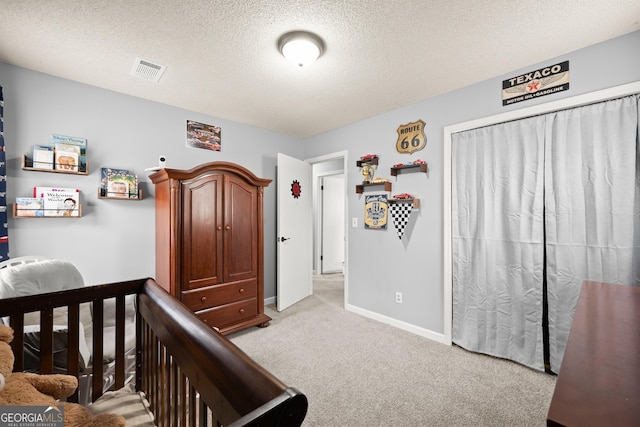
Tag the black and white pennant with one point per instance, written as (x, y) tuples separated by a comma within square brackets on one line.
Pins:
[(401, 212)]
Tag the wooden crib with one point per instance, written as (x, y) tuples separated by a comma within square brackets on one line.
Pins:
[(190, 374)]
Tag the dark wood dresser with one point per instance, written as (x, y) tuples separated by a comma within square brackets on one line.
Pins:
[(209, 242), (599, 379)]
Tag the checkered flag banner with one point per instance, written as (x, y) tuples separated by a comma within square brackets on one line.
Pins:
[(401, 212)]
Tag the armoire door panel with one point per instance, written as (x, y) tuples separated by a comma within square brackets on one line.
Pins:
[(241, 231), (202, 232)]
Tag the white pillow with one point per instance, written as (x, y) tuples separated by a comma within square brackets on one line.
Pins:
[(109, 310), (40, 277)]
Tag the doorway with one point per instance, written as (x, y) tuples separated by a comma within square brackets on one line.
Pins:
[(331, 224), (329, 170)]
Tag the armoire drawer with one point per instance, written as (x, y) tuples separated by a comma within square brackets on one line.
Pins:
[(212, 296), (229, 313)]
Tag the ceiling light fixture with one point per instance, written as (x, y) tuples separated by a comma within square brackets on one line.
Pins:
[(301, 47)]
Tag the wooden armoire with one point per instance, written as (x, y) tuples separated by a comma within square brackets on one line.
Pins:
[(209, 242)]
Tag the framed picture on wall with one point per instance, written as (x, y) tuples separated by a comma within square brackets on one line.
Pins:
[(200, 135), (376, 210)]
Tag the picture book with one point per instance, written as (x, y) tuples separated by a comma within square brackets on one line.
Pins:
[(122, 184), (59, 201), (29, 206), (81, 143), (117, 187), (132, 179), (42, 157), (104, 178), (67, 157)]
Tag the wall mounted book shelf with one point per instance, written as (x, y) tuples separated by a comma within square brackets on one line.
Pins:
[(103, 195), (27, 164), (43, 213)]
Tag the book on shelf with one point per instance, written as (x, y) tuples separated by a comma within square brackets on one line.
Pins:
[(132, 179), (80, 145), (104, 178), (58, 201), (29, 206), (67, 157), (42, 157), (118, 183), (117, 188)]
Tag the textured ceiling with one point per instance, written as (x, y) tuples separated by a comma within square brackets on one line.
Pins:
[(222, 60)]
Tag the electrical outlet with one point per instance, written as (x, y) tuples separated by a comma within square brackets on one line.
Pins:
[(399, 297)]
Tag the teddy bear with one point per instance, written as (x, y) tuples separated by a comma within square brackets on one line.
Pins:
[(29, 389)]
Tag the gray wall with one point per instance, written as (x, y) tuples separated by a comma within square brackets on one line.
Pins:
[(114, 240), (379, 264)]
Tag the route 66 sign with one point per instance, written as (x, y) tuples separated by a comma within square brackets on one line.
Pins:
[(411, 137)]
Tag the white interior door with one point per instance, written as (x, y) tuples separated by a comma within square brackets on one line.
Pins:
[(295, 232), (332, 224)]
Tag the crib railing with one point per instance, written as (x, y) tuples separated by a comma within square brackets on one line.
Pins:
[(71, 299), (190, 374)]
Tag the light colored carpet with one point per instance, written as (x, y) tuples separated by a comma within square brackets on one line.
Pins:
[(359, 372)]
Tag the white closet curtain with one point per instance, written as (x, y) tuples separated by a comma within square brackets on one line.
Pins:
[(497, 240), (566, 183), (592, 206)]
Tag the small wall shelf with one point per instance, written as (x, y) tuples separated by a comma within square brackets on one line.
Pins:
[(416, 202), (15, 213), (27, 164), (417, 168), (371, 161), (100, 196), (360, 187)]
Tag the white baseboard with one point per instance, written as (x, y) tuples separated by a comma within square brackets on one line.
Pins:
[(426, 333)]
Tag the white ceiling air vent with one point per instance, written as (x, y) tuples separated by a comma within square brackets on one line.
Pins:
[(147, 70)]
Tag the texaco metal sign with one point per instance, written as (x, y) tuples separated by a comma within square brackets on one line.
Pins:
[(534, 84)]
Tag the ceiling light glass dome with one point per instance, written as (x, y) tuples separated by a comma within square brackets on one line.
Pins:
[(301, 48)]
